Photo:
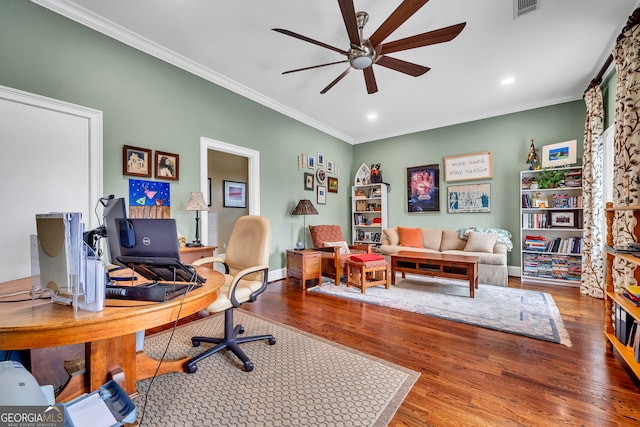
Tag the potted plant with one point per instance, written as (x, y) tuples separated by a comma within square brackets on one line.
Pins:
[(550, 178)]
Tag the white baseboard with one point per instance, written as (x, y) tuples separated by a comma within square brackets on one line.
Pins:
[(514, 271)]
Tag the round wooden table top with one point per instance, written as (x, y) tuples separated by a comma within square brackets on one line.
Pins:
[(25, 325)]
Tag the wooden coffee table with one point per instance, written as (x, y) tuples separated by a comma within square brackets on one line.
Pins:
[(461, 267)]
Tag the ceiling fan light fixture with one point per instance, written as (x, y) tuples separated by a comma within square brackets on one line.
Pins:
[(361, 62)]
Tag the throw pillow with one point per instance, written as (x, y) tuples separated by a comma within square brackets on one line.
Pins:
[(344, 247), (451, 241), (431, 238), (480, 242), (411, 237), (392, 236)]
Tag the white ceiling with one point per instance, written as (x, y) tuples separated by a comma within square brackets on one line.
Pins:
[(552, 52)]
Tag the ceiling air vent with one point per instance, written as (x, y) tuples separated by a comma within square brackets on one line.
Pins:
[(520, 7)]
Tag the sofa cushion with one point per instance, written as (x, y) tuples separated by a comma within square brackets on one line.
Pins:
[(431, 238), (411, 237), (451, 241), (392, 236), (485, 258), (480, 242), (344, 247)]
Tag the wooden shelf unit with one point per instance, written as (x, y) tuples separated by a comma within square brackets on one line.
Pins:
[(536, 220), (369, 207), (612, 296)]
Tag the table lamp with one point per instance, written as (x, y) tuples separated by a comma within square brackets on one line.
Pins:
[(304, 208), (196, 203)]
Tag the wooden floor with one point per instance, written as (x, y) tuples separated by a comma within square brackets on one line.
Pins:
[(472, 376)]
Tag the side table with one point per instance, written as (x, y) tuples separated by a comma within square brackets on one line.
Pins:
[(304, 265)]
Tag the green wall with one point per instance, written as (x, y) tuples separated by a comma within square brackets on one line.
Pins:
[(151, 104), (508, 138)]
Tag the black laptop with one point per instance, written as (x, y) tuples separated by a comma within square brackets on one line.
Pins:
[(150, 247)]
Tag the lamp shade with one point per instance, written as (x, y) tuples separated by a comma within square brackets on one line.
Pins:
[(196, 202), (305, 207)]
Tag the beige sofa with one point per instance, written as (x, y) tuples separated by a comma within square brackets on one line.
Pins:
[(492, 266)]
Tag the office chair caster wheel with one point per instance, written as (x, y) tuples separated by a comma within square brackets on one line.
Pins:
[(240, 329), (248, 366), (195, 343), (272, 341), (190, 368)]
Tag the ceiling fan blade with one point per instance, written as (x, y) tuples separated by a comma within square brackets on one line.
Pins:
[(349, 16), (333, 83), (425, 39), (370, 80), (307, 39), (403, 12), (314, 66), (405, 67)]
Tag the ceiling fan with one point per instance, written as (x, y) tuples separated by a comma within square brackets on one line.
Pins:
[(364, 53)]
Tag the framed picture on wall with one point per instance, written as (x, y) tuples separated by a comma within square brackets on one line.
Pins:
[(322, 194), (308, 181), (333, 184), (136, 161), (167, 165), (423, 189), (469, 198), (560, 154), (235, 194)]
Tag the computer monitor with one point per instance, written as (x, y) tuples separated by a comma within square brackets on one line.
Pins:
[(113, 210)]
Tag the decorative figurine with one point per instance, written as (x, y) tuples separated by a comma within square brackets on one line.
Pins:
[(376, 174), (532, 158)]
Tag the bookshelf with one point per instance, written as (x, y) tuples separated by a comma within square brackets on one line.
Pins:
[(369, 207), (615, 301), (551, 222)]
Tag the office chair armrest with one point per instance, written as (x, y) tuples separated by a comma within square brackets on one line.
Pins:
[(212, 260), (240, 275)]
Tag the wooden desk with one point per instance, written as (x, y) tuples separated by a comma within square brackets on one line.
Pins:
[(189, 254), (109, 335)]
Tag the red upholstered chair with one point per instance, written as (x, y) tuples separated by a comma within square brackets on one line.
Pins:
[(328, 240)]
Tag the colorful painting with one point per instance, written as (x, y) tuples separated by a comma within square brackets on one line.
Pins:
[(149, 193), (423, 189)]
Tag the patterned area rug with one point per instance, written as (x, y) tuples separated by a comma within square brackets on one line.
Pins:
[(530, 313), (302, 380)]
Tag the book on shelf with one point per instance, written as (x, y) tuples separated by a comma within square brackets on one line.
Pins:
[(631, 298)]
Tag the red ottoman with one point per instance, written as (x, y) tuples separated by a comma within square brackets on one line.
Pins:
[(367, 270)]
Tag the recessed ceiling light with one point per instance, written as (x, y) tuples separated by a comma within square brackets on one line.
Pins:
[(372, 116), (507, 81)]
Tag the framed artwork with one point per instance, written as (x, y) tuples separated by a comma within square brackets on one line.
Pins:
[(322, 194), (331, 166), (333, 184), (320, 159), (540, 202), (423, 189), (311, 162), (562, 219), (235, 194), (136, 161), (560, 154), (468, 166), (308, 181), (321, 175), (149, 199), (167, 165), (469, 198)]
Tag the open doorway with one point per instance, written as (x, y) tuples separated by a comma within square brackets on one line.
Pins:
[(247, 158)]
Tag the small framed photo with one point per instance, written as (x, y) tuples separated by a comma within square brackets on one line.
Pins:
[(322, 194), (331, 166), (308, 181), (235, 194), (540, 202), (333, 184), (560, 154), (311, 162), (320, 159), (563, 219), (136, 161), (167, 165)]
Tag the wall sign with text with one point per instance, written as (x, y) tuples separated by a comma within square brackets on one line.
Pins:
[(468, 166)]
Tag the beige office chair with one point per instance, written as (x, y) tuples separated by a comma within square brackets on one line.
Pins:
[(246, 266)]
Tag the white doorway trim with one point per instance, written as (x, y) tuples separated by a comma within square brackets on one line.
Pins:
[(253, 161)]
